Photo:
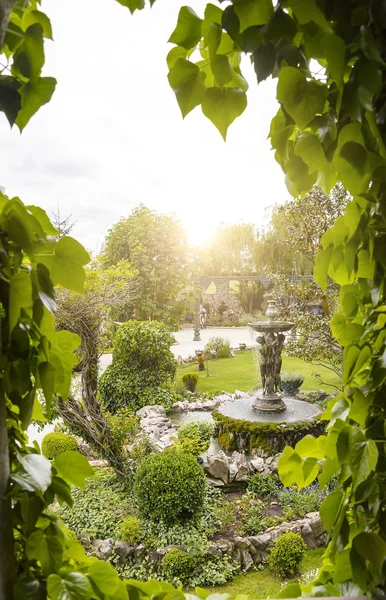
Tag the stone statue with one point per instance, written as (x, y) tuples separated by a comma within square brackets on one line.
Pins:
[(277, 359)]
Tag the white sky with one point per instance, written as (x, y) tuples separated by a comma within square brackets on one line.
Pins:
[(113, 136)]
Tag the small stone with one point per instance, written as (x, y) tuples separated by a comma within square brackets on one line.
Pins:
[(261, 541), (246, 560), (217, 466), (257, 464), (308, 535)]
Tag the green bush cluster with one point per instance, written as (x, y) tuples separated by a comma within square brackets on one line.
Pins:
[(296, 504), (99, 508), (218, 347), (57, 442), (170, 487), (142, 365), (195, 437), (190, 381), (291, 382), (263, 486), (287, 554), (130, 530), (177, 564), (248, 513), (122, 424)]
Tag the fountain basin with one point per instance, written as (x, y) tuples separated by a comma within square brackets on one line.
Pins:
[(240, 427)]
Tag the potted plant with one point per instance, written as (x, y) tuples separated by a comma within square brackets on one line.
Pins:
[(291, 382)]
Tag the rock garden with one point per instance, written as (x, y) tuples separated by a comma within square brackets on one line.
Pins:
[(200, 500)]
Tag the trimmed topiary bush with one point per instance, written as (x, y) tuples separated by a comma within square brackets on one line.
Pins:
[(170, 487), (121, 425), (130, 530), (287, 554), (142, 364), (263, 486), (291, 382), (177, 564), (190, 381), (57, 442)]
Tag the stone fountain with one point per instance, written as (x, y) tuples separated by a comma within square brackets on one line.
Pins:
[(271, 343), (266, 421)]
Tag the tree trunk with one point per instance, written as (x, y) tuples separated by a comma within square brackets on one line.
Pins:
[(5, 13), (7, 560)]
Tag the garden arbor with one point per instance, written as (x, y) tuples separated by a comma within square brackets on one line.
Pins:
[(224, 281)]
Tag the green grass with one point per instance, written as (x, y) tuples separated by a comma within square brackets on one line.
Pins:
[(240, 373), (263, 584)]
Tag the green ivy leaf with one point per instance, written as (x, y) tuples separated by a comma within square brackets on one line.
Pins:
[(335, 52), (188, 83), (372, 547), (73, 467), (66, 263), (31, 17), (46, 547), (293, 590), (322, 263), (20, 296), (264, 59), (104, 576), (306, 11), (29, 589), (302, 99), (71, 586), (329, 509), (47, 380), (174, 54), (34, 95), (188, 30), (29, 57), (134, 5), (222, 69), (363, 456), (253, 12), (10, 99), (222, 107), (38, 468)]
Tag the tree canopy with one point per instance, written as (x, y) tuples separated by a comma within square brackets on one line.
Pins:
[(157, 249)]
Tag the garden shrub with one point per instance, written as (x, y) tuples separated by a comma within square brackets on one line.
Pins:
[(177, 563), (130, 530), (285, 557), (57, 442), (263, 486), (195, 437), (217, 346), (190, 381), (170, 487), (142, 364), (291, 382), (121, 425), (99, 508), (296, 504), (249, 515)]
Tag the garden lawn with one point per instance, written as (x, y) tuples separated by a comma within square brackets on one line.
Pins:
[(240, 373), (263, 584)]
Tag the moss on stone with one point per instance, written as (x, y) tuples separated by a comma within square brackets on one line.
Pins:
[(236, 434)]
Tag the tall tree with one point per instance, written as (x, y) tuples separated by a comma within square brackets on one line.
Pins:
[(157, 249)]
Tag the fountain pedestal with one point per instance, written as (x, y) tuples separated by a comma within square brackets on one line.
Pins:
[(271, 342)]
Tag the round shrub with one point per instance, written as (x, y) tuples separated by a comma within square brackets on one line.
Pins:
[(190, 381), (170, 487), (142, 364), (177, 563), (57, 442), (130, 530), (291, 382), (263, 486), (287, 554)]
